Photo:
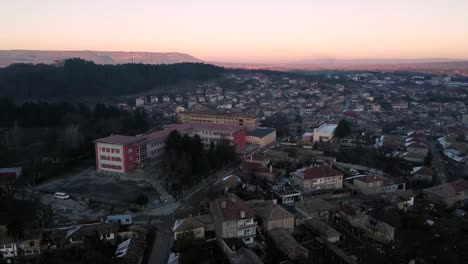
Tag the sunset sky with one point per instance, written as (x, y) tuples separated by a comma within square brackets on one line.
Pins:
[(242, 30)]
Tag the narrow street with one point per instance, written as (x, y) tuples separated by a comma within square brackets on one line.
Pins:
[(438, 163), (183, 208)]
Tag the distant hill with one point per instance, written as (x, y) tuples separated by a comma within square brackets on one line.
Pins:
[(8, 57), (435, 66)]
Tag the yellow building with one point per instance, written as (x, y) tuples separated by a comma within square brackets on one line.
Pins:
[(250, 122), (261, 136)]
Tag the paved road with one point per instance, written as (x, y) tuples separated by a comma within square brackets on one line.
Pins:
[(188, 205), (438, 163), (163, 242)]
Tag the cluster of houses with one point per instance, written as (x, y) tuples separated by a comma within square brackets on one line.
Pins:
[(128, 238)]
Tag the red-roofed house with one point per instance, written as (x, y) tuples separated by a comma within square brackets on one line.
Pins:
[(448, 194), (318, 178), (233, 218)]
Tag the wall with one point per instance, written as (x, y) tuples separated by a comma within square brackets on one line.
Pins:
[(108, 155)]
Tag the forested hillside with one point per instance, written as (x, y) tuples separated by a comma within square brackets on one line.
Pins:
[(80, 78)]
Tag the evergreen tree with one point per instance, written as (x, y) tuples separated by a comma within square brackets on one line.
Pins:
[(343, 129)]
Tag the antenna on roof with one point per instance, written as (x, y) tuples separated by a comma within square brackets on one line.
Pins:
[(131, 52)]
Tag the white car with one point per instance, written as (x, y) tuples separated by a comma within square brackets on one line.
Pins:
[(61, 195)]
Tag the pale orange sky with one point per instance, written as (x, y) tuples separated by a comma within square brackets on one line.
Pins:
[(242, 30)]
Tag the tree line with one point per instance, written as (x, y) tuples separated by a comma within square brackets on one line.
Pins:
[(78, 77), (44, 137), (186, 160)]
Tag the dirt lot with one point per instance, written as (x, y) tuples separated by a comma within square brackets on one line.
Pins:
[(87, 183)]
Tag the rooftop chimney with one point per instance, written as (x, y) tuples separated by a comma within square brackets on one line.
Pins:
[(242, 214)]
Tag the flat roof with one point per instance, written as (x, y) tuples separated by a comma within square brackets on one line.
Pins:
[(326, 128), (127, 140), (119, 139), (209, 112), (261, 132)]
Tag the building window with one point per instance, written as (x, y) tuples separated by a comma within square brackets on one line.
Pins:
[(130, 150), (31, 243)]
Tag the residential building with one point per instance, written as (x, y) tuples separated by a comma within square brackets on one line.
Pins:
[(274, 216), (30, 244), (375, 229), (313, 208), (233, 218), (324, 133), (369, 184), (422, 173), (321, 228), (448, 194), (140, 101), (288, 246), (318, 178), (201, 226), (400, 105), (8, 247), (286, 195), (250, 122)]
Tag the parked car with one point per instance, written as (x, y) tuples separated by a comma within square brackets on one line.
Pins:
[(61, 195)]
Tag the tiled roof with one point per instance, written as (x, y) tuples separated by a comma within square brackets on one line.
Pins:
[(424, 171), (273, 212), (314, 205), (369, 178), (287, 244), (460, 185), (320, 172), (233, 208)]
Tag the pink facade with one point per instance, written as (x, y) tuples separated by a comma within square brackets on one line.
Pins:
[(121, 154)]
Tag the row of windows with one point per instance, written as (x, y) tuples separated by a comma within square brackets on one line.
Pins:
[(110, 150), (153, 144), (111, 158), (110, 166)]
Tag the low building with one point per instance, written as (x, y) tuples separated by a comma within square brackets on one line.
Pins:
[(31, 243), (286, 194), (261, 136), (313, 208), (369, 184), (318, 178), (237, 252), (400, 105), (323, 230), (324, 133), (124, 219), (8, 247), (307, 136), (448, 194), (274, 216), (373, 184), (422, 173), (201, 227), (373, 228), (288, 246), (233, 218), (77, 234)]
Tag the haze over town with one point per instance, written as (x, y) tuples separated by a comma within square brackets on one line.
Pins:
[(234, 132)]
